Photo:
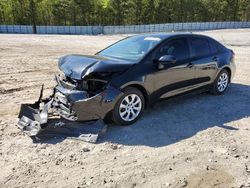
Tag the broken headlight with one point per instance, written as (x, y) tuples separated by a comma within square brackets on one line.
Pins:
[(93, 85), (66, 82), (84, 85), (96, 82)]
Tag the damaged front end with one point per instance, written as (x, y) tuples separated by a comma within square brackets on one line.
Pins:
[(83, 92), (88, 99), (71, 102)]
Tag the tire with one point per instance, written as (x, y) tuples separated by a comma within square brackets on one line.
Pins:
[(129, 107), (221, 83)]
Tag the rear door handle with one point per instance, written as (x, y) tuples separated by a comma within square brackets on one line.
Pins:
[(190, 65), (215, 59)]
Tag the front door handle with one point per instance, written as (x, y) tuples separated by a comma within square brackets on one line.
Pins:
[(190, 65)]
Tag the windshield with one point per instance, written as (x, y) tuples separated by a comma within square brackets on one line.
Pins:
[(133, 48)]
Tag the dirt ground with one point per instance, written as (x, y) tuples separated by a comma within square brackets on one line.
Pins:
[(191, 141)]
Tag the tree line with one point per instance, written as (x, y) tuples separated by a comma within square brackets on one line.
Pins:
[(120, 12)]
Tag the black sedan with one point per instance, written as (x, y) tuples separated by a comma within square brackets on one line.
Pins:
[(119, 82)]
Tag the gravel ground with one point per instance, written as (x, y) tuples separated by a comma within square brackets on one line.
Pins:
[(190, 141)]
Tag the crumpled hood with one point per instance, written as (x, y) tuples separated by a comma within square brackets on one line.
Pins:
[(79, 66)]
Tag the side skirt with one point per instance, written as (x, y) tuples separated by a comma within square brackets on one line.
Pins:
[(195, 91)]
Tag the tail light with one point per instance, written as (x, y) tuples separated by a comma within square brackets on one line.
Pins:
[(233, 54)]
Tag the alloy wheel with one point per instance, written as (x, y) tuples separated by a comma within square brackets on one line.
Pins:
[(222, 82), (130, 107)]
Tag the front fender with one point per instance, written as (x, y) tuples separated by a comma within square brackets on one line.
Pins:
[(91, 108)]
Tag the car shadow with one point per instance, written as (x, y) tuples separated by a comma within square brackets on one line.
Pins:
[(182, 117), (168, 122)]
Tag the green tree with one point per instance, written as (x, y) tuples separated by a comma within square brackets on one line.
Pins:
[(244, 10), (86, 11), (138, 6), (119, 12), (119, 9), (6, 16), (20, 11), (149, 12)]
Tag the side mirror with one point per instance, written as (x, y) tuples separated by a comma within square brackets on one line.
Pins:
[(166, 60)]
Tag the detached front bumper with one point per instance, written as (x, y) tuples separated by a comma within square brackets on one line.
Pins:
[(78, 106), (70, 104), (34, 117)]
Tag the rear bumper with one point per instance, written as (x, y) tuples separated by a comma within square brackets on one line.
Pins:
[(233, 70)]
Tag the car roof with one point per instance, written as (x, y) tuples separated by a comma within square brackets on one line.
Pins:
[(168, 35)]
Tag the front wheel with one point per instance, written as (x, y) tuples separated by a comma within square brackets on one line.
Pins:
[(221, 83), (129, 107)]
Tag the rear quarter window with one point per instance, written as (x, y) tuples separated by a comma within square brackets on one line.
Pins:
[(200, 47), (215, 46)]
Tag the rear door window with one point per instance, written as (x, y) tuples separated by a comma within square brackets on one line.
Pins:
[(200, 47)]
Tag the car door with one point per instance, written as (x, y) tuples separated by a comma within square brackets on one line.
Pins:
[(203, 60), (177, 77)]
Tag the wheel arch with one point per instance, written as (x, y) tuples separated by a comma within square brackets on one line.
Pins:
[(229, 72), (141, 89)]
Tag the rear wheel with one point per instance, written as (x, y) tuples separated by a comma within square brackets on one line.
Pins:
[(129, 107), (221, 83)]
